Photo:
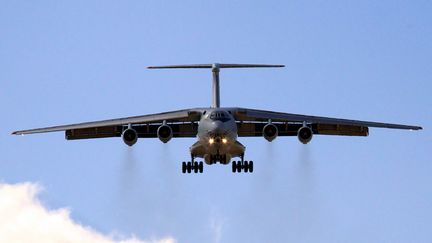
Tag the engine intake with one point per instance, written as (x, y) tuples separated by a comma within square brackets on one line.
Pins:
[(270, 132), (164, 133), (304, 134), (130, 136)]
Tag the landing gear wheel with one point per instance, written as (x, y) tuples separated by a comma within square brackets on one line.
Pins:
[(183, 167), (189, 167), (250, 166), (234, 167), (246, 167), (195, 167), (239, 167), (200, 167)]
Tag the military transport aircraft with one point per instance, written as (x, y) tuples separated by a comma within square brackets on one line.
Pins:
[(217, 128)]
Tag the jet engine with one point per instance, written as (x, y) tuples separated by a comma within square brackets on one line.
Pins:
[(130, 136), (304, 134), (164, 133), (270, 132)]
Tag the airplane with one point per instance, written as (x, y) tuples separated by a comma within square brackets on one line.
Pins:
[(217, 129)]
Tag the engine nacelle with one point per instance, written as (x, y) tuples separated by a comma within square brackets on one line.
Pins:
[(130, 136), (164, 133), (304, 134), (270, 132)]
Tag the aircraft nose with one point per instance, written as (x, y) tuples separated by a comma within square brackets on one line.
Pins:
[(217, 127)]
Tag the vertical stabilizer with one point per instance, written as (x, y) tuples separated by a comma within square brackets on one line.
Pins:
[(215, 86)]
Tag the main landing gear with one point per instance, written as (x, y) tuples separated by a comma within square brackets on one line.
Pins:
[(192, 167), (237, 166), (245, 166)]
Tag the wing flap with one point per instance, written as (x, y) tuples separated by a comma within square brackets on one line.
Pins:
[(290, 129), (343, 130), (93, 132), (144, 131)]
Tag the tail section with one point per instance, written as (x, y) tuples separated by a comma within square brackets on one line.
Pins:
[(215, 69), (217, 65)]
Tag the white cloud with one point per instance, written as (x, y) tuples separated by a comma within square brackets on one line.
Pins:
[(24, 219)]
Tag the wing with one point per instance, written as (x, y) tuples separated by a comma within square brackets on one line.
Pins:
[(251, 123), (182, 122)]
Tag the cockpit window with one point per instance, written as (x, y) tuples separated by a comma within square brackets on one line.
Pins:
[(219, 116)]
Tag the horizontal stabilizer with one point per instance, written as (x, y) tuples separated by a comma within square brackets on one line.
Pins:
[(217, 65), (215, 68)]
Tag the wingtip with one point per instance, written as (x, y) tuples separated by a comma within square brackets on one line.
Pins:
[(22, 133)]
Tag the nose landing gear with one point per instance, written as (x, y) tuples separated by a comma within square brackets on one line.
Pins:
[(219, 158)]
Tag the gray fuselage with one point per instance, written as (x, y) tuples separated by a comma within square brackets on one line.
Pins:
[(217, 137)]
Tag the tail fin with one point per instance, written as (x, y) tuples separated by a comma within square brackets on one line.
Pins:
[(215, 69)]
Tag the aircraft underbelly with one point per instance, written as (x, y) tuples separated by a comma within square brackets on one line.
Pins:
[(202, 149)]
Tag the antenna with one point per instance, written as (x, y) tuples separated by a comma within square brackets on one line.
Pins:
[(215, 67)]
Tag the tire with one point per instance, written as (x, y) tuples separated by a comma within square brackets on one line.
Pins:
[(239, 167), (246, 167), (183, 167), (201, 167), (251, 166), (234, 167), (195, 167), (189, 167)]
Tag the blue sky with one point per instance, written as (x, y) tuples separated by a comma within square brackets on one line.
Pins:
[(65, 62)]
